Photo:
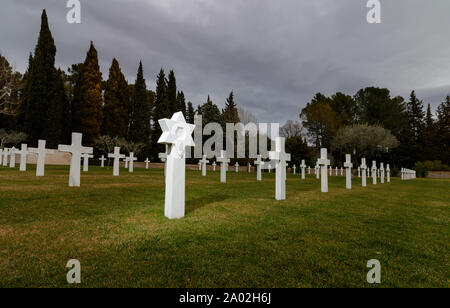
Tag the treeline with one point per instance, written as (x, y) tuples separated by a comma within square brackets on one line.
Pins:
[(49, 103), (341, 123)]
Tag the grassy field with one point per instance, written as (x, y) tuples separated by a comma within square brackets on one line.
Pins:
[(233, 235)]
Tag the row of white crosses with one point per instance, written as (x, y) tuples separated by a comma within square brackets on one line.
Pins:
[(408, 174)]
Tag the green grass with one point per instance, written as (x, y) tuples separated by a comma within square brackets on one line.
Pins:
[(233, 235)]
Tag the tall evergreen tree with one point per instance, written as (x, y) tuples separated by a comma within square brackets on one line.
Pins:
[(160, 111), (87, 104), (230, 113), (41, 110), (140, 130), (431, 150), (181, 102), (443, 127), (172, 93), (190, 113), (116, 108), (210, 112), (416, 115)]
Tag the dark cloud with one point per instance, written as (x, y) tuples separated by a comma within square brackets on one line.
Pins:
[(275, 55)]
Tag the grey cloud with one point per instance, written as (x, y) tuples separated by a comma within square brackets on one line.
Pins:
[(275, 55)]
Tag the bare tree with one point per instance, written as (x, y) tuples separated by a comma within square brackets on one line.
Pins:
[(10, 82), (136, 148), (291, 129), (246, 117)]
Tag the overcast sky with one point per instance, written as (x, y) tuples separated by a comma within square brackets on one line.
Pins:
[(274, 54)]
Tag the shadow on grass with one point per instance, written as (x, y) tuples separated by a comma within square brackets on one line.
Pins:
[(196, 203)]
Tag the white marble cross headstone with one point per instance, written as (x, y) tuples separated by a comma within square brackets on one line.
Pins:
[(77, 150), (203, 163), (177, 135), (388, 173), (382, 173), (102, 161), (147, 161), (214, 166), (342, 171), (363, 172), (5, 157), (236, 166), (294, 169), (331, 171), (131, 159), (117, 157), (323, 163), (348, 171), (12, 158), (337, 171), (259, 164), (374, 172), (316, 169), (223, 160), (23, 157), (281, 158), (126, 160), (303, 166), (41, 152), (249, 167), (86, 157)]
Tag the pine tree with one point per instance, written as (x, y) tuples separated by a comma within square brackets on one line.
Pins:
[(443, 127), (140, 131), (87, 104), (210, 112), (172, 93), (181, 102), (117, 103), (416, 119), (430, 137), (190, 113), (39, 107), (414, 109), (230, 113)]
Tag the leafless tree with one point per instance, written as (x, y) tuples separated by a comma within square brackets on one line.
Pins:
[(291, 129), (246, 117), (10, 82)]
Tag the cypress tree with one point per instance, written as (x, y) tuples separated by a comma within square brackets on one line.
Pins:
[(140, 131), (87, 103), (181, 102), (117, 103), (58, 127), (39, 97), (172, 93), (161, 109), (190, 113), (230, 113)]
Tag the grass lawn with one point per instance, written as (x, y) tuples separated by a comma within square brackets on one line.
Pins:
[(233, 235)]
